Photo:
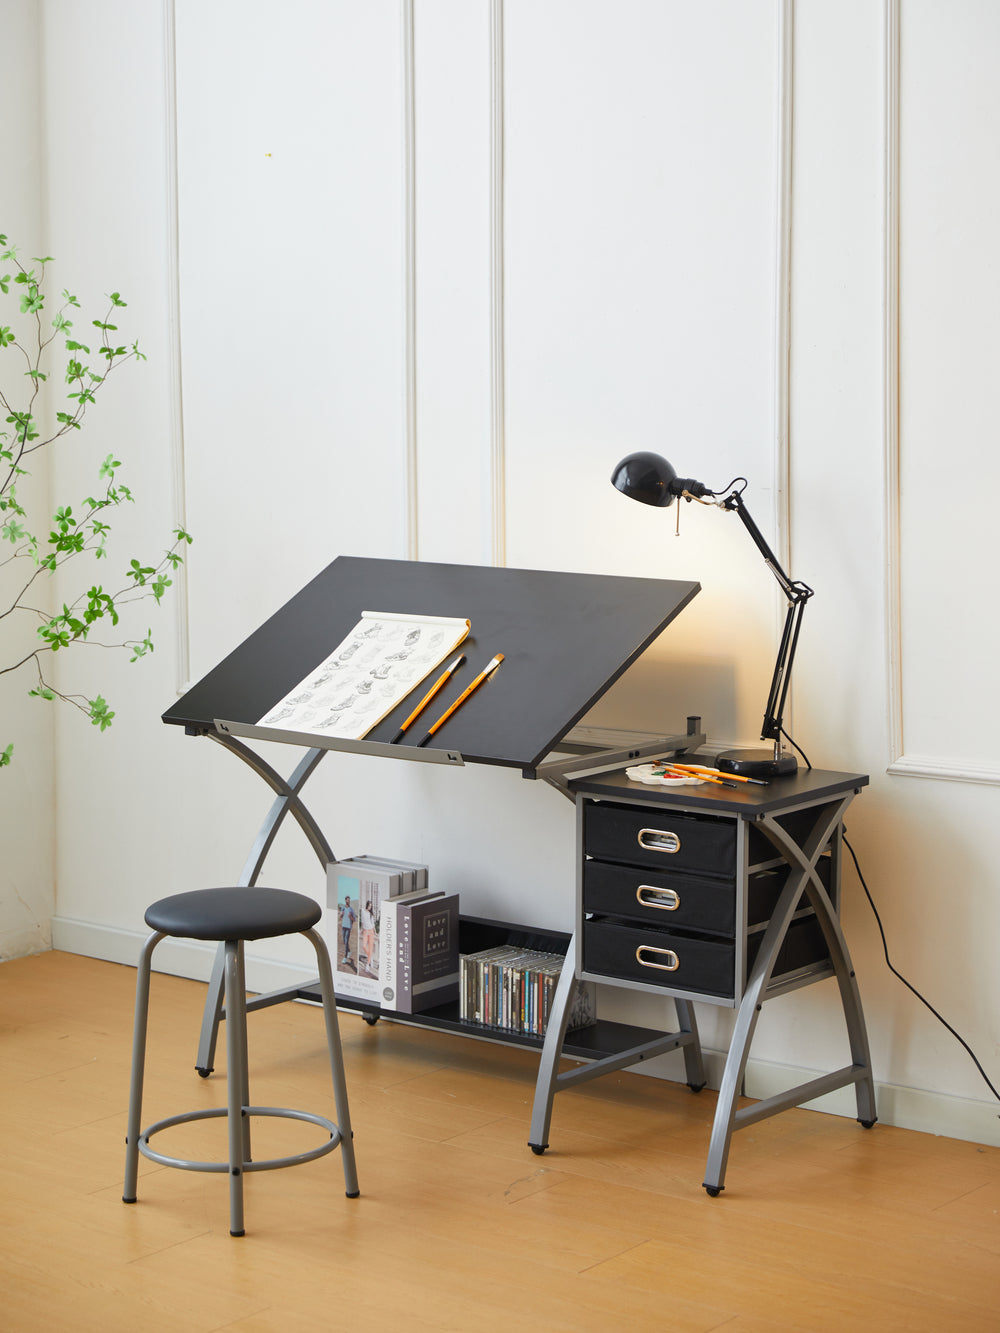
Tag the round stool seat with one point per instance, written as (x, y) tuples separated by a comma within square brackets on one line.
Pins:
[(234, 914)]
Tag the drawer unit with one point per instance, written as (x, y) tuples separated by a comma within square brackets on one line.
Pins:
[(670, 898), (647, 836), (626, 951), (673, 960), (671, 901)]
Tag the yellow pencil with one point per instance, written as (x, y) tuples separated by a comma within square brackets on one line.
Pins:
[(442, 680), (487, 671), (729, 777)]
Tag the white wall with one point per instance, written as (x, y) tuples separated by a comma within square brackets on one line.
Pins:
[(27, 865), (479, 261)]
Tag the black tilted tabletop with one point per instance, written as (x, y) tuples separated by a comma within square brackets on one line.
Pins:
[(807, 785), (565, 638)]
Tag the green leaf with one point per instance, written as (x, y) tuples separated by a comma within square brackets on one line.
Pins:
[(36, 375), (109, 465), (32, 302), (116, 299), (160, 585), (72, 346), (183, 536), (6, 754), (141, 649), (42, 692), (6, 337), (100, 713), (140, 572), (5, 283)]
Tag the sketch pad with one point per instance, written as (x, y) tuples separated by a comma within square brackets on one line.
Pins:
[(385, 657)]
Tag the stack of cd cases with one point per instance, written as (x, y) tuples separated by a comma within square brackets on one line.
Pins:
[(512, 988)]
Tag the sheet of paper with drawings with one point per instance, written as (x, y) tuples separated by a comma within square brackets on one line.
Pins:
[(385, 656)]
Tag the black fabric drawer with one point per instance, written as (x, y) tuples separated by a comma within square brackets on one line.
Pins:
[(663, 899), (804, 944), (647, 836), (614, 949)]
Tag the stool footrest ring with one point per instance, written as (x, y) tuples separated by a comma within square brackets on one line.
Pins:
[(270, 1164)]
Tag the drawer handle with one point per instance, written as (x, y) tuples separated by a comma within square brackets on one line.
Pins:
[(671, 966), (665, 900), (658, 840)]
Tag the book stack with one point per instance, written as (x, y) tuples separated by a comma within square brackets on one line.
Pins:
[(356, 892), (513, 988)]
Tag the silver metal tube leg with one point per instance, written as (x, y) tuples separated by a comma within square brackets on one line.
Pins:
[(548, 1067), (336, 1063), (235, 1079), (138, 1067), (205, 1062), (694, 1065), (850, 998), (746, 1023), (240, 1019)]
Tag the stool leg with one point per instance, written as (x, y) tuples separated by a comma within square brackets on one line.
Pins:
[(236, 1077), (336, 1063), (241, 1020), (138, 1066)]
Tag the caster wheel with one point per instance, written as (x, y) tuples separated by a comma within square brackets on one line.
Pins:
[(202, 1073), (696, 1087), (536, 1149), (370, 1019), (867, 1124), (713, 1191)]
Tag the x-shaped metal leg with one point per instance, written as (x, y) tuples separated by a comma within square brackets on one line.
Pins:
[(802, 878)]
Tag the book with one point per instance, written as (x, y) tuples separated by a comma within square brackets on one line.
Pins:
[(414, 872), (384, 658), (388, 942), (356, 890), (420, 949)]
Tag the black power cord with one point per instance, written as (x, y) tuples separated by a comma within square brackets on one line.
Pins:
[(885, 949)]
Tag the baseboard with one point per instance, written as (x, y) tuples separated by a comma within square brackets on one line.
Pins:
[(906, 1108), (177, 958)]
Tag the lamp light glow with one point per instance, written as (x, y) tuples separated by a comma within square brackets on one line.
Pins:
[(650, 479)]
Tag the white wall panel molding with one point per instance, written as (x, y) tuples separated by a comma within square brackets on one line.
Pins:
[(409, 278), (781, 390), (940, 767), (175, 387), (497, 435), (890, 372), (946, 770), (457, 254)]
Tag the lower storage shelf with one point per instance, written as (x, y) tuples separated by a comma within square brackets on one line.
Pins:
[(597, 1042)]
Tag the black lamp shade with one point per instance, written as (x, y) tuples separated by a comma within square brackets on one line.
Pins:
[(646, 477)]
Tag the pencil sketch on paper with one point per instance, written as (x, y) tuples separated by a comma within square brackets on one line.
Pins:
[(384, 657)]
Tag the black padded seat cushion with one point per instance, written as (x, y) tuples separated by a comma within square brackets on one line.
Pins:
[(234, 914)]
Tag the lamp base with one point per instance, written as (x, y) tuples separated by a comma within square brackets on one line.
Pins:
[(756, 763)]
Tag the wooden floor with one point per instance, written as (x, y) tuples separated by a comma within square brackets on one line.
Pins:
[(823, 1225)]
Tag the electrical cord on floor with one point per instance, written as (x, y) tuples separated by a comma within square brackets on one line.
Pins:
[(885, 949)]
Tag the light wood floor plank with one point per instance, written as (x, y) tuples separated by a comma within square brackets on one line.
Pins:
[(823, 1225)]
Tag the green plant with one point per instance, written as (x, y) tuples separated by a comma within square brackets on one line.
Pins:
[(35, 350)]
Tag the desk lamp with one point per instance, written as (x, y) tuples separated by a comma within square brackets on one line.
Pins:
[(651, 479)]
